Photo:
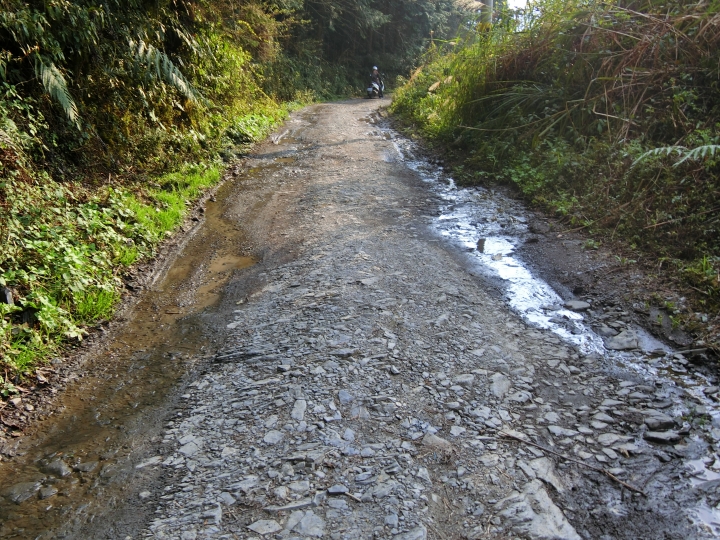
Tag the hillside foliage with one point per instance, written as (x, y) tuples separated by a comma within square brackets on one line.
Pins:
[(116, 114), (607, 113)]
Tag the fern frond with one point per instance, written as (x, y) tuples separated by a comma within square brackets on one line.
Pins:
[(701, 152), (55, 85), (164, 68), (662, 151)]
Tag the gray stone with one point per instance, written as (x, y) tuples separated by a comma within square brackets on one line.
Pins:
[(345, 397), (86, 467), (298, 410), (343, 353), (58, 468), (533, 513), (295, 505), (391, 520), (662, 437), (659, 422), (606, 332), (624, 341), (521, 396), (562, 432), (246, 485), (423, 474), (149, 462), (190, 449), (299, 486), (608, 439), (47, 492), (436, 442), (265, 526), (577, 305), (337, 489), (611, 403), (273, 437), (464, 379), (544, 468), (22, 491), (311, 525), (500, 385), (214, 513), (418, 533)]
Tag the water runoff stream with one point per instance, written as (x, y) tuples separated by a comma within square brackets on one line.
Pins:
[(490, 227)]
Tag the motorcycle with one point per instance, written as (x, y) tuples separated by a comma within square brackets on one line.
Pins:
[(375, 90)]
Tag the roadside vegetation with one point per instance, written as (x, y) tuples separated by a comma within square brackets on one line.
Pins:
[(606, 113), (116, 115)]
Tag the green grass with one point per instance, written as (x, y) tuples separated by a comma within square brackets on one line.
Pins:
[(67, 246), (93, 306)]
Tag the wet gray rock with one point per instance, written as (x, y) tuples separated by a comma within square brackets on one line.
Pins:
[(21, 492), (47, 492), (662, 437), (577, 305), (606, 332), (86, 467), (58, 468), (659, 422), (624, 341), (562, 432)]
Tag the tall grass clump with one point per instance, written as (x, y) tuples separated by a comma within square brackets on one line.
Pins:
[(605, 112)]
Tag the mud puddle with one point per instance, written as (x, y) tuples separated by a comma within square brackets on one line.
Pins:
[(78, 463), (490, 227)]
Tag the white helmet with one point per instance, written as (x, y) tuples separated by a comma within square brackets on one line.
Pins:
[(374, 68)]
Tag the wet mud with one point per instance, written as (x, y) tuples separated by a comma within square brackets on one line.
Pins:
[(77, 463)]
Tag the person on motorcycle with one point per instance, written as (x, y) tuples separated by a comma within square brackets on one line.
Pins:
[(375, 78)]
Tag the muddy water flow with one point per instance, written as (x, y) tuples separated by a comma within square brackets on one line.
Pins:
[(490, 227), (86, 452)]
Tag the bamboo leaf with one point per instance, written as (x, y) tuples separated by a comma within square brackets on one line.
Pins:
[(55, 85)]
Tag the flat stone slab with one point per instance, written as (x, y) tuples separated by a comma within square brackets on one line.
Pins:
[(265, 526), (576, 305), (624, 341), (662, 437), (295, 505)]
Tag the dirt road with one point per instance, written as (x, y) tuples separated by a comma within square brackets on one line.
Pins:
[(368, 383)]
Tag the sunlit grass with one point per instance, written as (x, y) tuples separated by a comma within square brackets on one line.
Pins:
[(92, 306)]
